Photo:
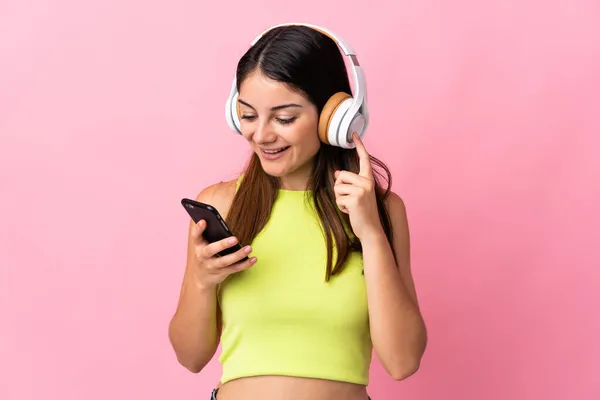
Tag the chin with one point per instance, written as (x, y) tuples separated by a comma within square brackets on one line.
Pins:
[(276, 168), (274, 171), (280, 168)]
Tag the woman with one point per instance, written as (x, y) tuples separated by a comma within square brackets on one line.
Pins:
[(328, 275)]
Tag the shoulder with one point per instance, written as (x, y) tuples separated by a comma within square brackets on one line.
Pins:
[(219, 195), (399, 221), (395, 206)]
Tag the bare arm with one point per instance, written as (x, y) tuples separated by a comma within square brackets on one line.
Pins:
[(194, 330), (397, 328)]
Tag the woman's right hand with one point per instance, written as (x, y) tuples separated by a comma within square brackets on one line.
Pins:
[(210, 269)]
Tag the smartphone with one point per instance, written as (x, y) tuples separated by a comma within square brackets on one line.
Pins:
[(216, 228)]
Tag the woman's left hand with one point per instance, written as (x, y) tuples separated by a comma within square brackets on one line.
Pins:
[(355, 195)]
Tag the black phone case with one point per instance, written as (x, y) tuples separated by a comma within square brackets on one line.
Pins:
[(216, 228)]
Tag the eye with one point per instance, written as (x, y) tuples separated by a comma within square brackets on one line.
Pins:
[(248, 117), (285, 121)]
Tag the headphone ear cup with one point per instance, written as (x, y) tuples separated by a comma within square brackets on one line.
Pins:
[(230, 109), (235, 113), (327, 120), (337, 135), (358, 125)]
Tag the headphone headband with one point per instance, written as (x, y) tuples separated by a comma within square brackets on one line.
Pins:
[(345, 46)]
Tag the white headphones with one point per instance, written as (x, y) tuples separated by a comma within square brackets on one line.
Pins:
[(342, 115)]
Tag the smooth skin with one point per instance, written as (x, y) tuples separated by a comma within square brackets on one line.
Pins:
[(272, 117)]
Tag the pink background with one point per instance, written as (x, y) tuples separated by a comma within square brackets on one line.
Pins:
[(488, 114)]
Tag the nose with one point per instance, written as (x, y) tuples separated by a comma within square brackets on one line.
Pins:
[(263, 133)]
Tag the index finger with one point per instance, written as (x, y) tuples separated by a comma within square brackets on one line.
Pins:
[(363, 155)]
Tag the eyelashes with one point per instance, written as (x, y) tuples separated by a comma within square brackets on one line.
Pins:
[(283, 121)]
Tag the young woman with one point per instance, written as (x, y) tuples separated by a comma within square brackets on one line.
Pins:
[(328, 275)]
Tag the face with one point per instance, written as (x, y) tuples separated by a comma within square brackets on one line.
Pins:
[(281, 127)]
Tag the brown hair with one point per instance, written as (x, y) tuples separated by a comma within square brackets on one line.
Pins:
[(311, 63)]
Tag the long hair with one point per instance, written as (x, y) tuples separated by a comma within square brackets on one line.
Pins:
[(311, 63)]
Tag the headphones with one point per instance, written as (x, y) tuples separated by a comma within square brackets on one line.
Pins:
[(341, 116)]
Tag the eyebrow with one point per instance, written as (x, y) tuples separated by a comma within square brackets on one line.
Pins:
[(279, 107)]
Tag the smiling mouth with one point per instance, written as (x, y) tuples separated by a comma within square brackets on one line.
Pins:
[(275, 151)]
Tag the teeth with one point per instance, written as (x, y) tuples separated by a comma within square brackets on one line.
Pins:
[(274, 151)]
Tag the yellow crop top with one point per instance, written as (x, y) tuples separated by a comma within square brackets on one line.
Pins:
[(280, 317)]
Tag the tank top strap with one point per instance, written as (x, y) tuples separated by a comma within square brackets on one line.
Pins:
[(239, 182)]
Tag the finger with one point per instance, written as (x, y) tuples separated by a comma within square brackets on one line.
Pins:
[(344, 189), (351, 178), (341, 202), (230, 259), (197, 231), (240, 266), (363, 155), (211, 249)]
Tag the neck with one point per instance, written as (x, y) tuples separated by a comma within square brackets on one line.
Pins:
[(293, 184), (297, 180)]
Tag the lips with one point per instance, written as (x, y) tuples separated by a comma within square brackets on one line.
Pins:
[(273, 154), (275, 151)]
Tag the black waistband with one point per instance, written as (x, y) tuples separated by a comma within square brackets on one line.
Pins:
[(213, 395)]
